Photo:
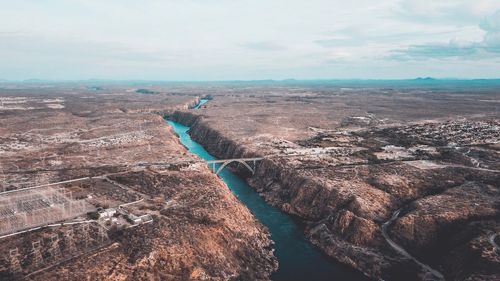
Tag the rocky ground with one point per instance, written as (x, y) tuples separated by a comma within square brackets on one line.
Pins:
[(200, 231), (396, 182)]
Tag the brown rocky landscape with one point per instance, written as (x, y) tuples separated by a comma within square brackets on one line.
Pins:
[(397, 182), (190, 225)]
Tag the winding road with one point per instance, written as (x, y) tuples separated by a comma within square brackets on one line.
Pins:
[(491, 239), (402, 251)]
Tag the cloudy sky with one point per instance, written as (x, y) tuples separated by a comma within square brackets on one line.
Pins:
[(249, 39)]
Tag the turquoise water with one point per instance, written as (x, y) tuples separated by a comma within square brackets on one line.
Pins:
[(202, 102), (298, 259)]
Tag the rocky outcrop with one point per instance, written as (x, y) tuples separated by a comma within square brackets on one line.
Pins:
[(192, 226), (212, 140), (343, 208), (316, 204), (202, 232)]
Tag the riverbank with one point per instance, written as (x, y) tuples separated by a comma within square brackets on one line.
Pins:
[(191, 227), (272, 181), (343, 208), (297, 258)]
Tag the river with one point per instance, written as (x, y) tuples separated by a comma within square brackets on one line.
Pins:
[(298, 259), (200, 103)]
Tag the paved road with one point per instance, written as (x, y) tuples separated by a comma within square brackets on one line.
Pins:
[(493, 243), (402, 251)]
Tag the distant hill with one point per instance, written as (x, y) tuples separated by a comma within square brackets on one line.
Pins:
[(425, 79), (146, 91)]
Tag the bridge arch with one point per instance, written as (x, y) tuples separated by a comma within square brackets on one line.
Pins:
[(237, 161)]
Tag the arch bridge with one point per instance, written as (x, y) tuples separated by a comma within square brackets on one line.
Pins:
[(249, 163)]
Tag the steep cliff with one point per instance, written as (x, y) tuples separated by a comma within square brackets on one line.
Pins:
[(343, 208), (313, 202), (179, 222)]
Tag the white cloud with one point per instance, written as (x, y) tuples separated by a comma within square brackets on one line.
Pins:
[(246, 39), (488, 47), (456, 12)]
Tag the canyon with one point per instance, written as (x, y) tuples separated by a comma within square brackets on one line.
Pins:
[(393, 182), (194, 228), (396, 181)]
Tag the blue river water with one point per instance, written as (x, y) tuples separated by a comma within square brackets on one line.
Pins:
[(298, 259), (202, 102)]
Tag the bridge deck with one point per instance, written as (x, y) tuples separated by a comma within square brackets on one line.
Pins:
[(235, 159)]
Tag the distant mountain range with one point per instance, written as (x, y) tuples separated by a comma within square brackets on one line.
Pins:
[(263, 81)]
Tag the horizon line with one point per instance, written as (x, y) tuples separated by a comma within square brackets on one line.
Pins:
[(37, 80)]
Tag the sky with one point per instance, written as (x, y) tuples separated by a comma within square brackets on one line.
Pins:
[(179, 40)]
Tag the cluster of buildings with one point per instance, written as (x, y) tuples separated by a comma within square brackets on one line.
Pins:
[(122, 218)]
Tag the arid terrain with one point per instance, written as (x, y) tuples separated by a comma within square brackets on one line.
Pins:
[(129, 221), (222, 140), (397, 182), (400, 182)]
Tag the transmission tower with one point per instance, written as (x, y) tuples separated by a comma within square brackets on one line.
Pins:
[(54, 250), (85, 234), (69, 239), (37, 254), (15, 265), (103, 233)]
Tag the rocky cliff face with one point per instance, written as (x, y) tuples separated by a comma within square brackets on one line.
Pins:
[(345, 206), (198, 231), (303, 197), (202, 232)]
